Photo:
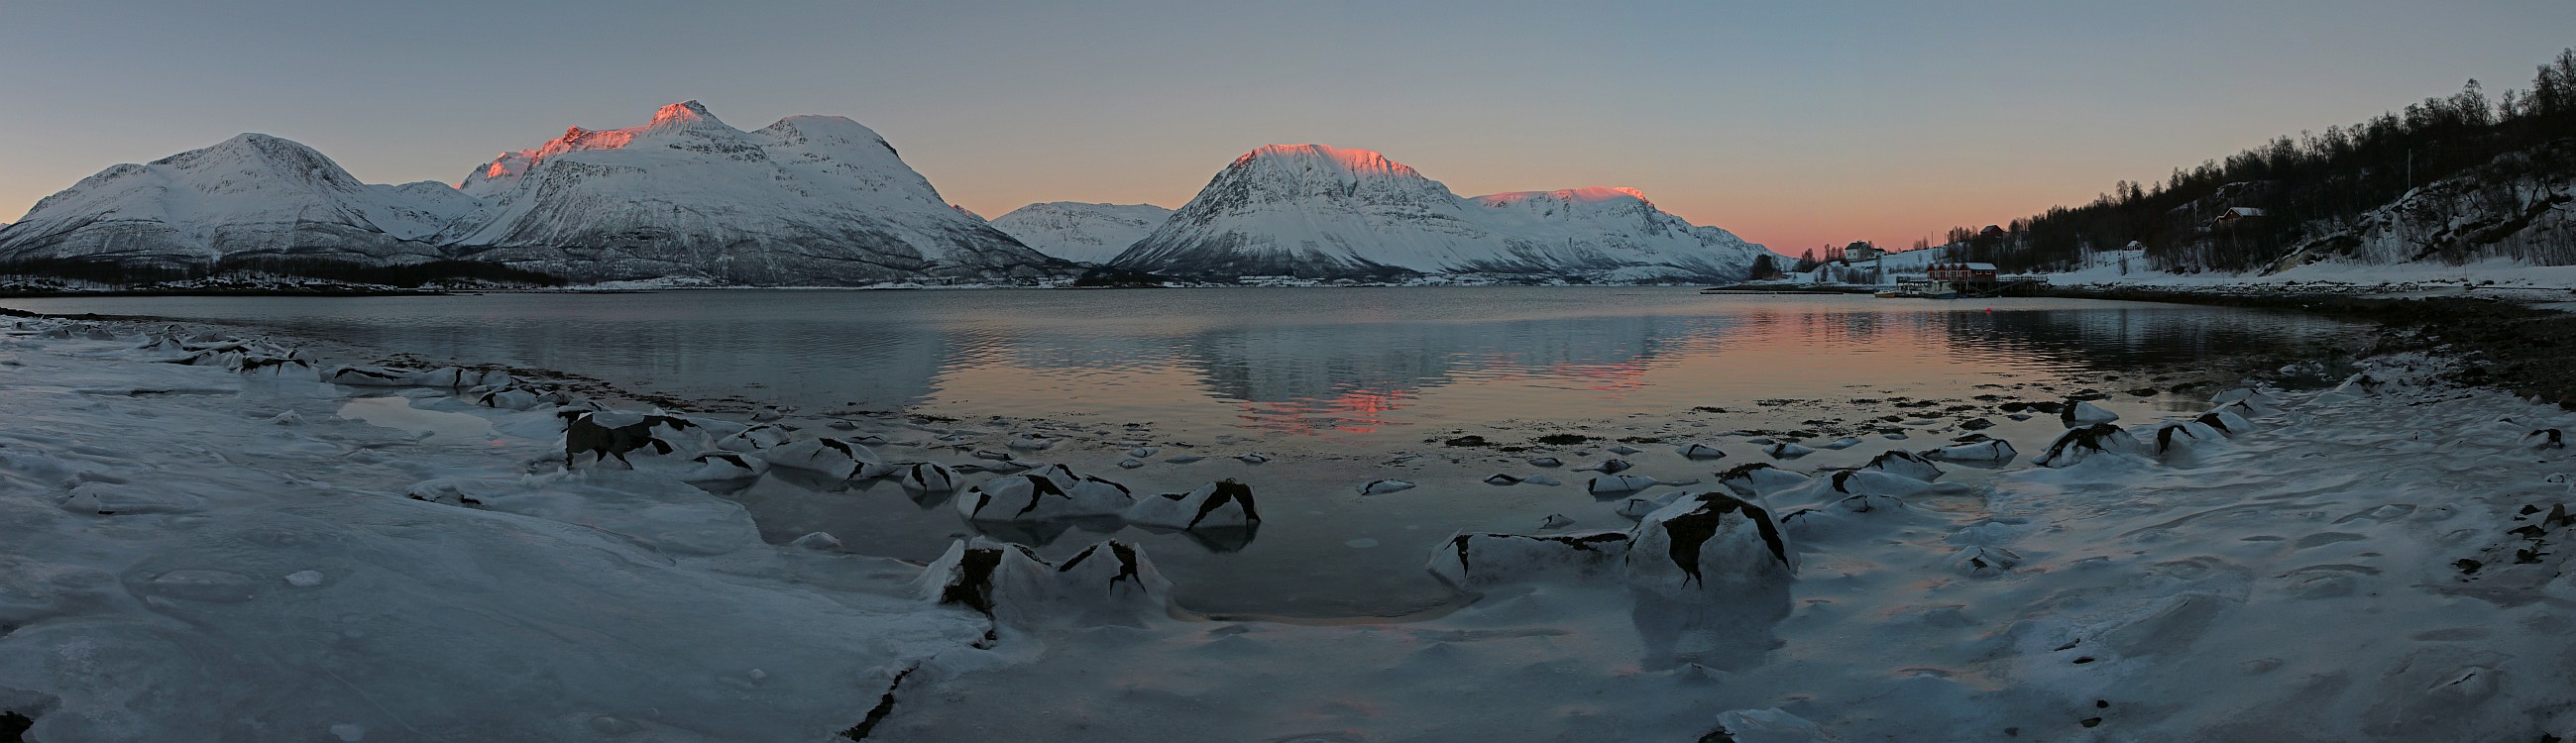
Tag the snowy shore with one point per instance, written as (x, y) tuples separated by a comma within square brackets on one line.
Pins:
[(195, 552)]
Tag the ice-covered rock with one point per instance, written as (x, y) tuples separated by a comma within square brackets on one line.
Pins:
[(369, 376), (1041, 496), (2226, 422), (1701, 451), (827, 456), (1638, 507), (1216, 505), (508, 398), (1480, 560), (1786, 450), (1708, 543), (929, 477), (2079, 444), (1623, 449), (1984, 561), (1382, 487), (2244, 394), (1765, 726), (1989, 450), (1546, 462), (817, 541), (1617, 484), (1875, 483), (724, 465), (1757, 479), (1611, 466), (2082, 412), (1108, 583), (595, 437), (1901, 463), (2546, 438), (444, 377), (757, 438), (2182, 435), (1842, 443), (1501, 479)]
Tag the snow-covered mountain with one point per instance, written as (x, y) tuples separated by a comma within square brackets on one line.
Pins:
[(810, 200), (807, 200), (250, 196), (1087, 233), (1319, 212)]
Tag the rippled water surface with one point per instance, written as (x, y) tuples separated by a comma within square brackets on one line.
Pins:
[(1339, 385)]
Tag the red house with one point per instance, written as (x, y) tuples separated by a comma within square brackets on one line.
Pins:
[(1962, 273)]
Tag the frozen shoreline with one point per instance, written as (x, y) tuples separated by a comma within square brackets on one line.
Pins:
[(2213, 593)]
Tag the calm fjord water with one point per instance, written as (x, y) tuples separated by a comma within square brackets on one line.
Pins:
[(1337, 386), (1363, 364)]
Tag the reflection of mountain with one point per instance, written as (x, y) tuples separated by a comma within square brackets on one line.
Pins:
[(818, 364), (1309, 378)]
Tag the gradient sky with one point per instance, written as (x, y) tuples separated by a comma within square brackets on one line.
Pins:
[(1793, 124)]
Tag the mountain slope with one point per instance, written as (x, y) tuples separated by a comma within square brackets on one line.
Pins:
[(250, 196), (1087, 233), (810, 200), (1320, 212)]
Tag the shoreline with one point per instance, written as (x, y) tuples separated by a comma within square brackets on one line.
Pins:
[(2073, 536)]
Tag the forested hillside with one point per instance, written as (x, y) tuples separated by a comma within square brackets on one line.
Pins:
[(2459, 178)]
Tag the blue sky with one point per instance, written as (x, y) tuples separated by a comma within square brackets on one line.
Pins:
[(1793, 124)]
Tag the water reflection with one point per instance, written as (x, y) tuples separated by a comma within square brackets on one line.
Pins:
[(1328, 363)]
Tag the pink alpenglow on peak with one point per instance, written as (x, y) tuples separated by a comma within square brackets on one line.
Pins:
[(1354, 161), (684, 113), (806, 201), (1316, 212)]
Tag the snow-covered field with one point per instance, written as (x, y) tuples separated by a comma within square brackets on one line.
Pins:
[(194, 552), (190, 553), (2333, 277)]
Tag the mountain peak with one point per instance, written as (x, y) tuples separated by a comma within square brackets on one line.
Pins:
[(684, 113), (1349, 160)]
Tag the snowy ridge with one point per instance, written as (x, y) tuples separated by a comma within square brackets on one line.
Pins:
[(809, 200), (252, 195), (1087, 233), (1314, 211)]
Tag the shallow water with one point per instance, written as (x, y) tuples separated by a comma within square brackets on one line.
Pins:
[(1337, 386)]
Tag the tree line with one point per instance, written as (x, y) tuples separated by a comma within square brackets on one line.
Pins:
[(2250, 209)]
